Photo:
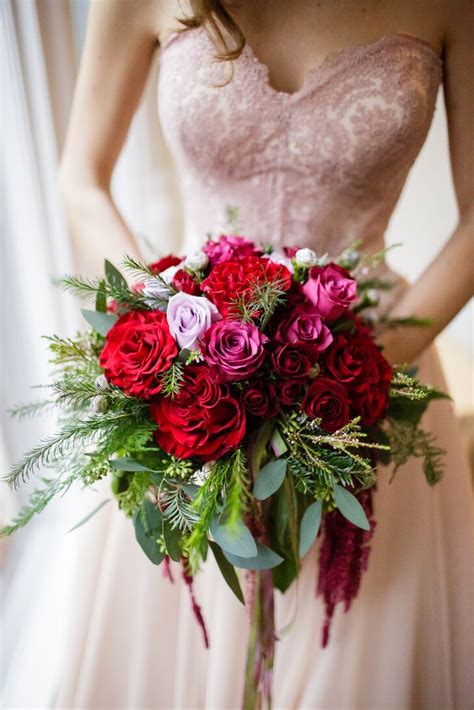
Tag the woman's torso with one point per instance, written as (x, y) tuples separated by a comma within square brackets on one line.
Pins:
[(321, 165)]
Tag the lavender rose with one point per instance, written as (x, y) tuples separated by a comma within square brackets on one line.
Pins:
[(189, 317), (304, 327), (331, 289), (234, 350)]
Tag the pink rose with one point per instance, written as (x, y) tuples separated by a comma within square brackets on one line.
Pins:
[(228, 248), (234, 350), (331, 289), (303, 326)]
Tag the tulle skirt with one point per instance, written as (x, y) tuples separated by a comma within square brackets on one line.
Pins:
[(129, 639)]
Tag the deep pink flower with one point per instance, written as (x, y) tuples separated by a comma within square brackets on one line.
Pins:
[(234, 350), (331, 289), (228, 248), (303, 326)]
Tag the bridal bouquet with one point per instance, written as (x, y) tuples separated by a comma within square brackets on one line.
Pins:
[(239, 404)]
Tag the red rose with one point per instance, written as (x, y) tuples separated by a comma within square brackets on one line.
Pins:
[(164, 263), (293, 360), (203, 421), (290, 391), (138, 349), (342, 360), (327, 400), (183, 281), (236, 281), (370, 388), (260, 399)]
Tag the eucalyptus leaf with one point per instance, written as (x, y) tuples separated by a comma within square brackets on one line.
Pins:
[(101, 322), (350, 508), (234, 538), (309, 527), (128, 464), (227, 571), (113, 275), (269, 479), (172, 541), (264, 559), (147, 538), (90, 515)]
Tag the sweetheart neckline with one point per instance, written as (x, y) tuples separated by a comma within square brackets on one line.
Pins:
[(333, 60)]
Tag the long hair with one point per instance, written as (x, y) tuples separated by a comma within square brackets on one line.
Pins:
[(226, 35)]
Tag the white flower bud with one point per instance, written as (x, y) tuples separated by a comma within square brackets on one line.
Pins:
[(372, 295), (101, 383), (197, 261), (155, 287), (279, 257), (349, 259), (306, 258)]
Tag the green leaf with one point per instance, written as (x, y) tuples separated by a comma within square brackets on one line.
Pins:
[(172, 541), (147, 536), (264, 559), (228, 571), (90, 515), (113, 276), (309, 527), (350, 508), (190, 489), (235, 539), (101, 298), (128, 464), (285, 574), (269, 479), (278, 444), (101, 322)]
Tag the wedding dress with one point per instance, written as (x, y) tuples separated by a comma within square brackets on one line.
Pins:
[(320, 167)]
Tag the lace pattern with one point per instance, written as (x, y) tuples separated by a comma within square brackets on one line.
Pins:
[(319, 167)]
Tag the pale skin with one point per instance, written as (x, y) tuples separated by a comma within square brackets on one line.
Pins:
[(289, 38)]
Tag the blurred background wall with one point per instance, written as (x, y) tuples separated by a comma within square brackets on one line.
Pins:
[(42, 41)]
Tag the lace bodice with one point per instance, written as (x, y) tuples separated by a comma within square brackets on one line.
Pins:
[(319, 167)]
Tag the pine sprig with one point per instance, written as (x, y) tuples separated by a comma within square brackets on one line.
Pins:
[(172, 379), (117, 290), (54, 448), (24, 411), (138, 268), (177, 507), (38, 501)]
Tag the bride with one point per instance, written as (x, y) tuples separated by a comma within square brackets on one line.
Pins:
[(309, 122)]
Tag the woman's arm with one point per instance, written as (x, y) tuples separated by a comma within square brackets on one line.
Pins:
[(120, 41), (446, 286)]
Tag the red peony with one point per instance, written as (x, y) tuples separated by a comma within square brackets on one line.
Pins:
[(203, 421), (327, 400), (138, 349), (235, 281), (164, 263)]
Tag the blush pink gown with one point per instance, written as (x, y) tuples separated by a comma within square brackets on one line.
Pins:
[(320, 168)]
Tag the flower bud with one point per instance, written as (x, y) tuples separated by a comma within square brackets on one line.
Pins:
[(349, 259), (306, 258), (372, 297), (101, 383), (196, 262)]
